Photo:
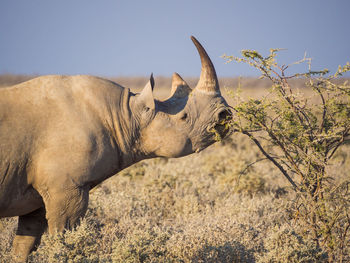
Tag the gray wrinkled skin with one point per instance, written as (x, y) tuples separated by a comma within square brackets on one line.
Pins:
[(62, 135)]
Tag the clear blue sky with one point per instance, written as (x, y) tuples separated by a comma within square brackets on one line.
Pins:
[(128, 38)]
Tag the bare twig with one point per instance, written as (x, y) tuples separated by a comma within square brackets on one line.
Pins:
[(284, 172)]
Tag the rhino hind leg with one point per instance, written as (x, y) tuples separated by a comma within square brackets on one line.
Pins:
[(30, 229)]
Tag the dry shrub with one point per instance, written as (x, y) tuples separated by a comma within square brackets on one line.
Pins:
[(78, 245), (232, 172), (283, 244), (7, 233), (141, 245), (205, 239)]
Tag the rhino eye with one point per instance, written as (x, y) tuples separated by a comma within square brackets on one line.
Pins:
[(184, 116)]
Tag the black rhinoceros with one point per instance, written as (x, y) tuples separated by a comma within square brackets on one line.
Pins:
[(60, 136)]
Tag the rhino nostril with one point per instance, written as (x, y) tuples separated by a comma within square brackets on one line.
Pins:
[(225, 115), (222, 125)]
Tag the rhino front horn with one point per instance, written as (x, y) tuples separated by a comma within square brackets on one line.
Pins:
[(208, 81)]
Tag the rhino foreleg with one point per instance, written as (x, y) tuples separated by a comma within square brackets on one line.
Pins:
[(28, 235), (65, 208)]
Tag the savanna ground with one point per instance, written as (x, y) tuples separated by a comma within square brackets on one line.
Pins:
[(214, 206)]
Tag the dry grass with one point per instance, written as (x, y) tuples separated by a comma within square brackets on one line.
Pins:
[(199, 208)]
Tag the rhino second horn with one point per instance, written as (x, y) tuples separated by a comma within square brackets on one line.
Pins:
[(208, 81), (179, 87)]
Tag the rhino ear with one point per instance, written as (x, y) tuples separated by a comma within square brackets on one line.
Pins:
[(146, 96)]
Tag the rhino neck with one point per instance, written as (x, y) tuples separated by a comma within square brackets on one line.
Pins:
[(123, 131)]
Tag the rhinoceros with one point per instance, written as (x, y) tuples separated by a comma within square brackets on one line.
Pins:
[(60, 136)]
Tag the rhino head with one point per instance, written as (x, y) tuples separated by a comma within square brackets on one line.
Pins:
[(186, 122)]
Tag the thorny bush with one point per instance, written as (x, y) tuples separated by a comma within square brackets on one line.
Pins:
[(301, 137)]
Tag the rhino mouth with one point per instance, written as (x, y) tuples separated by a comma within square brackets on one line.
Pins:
[(216, 131), (199, 150)]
